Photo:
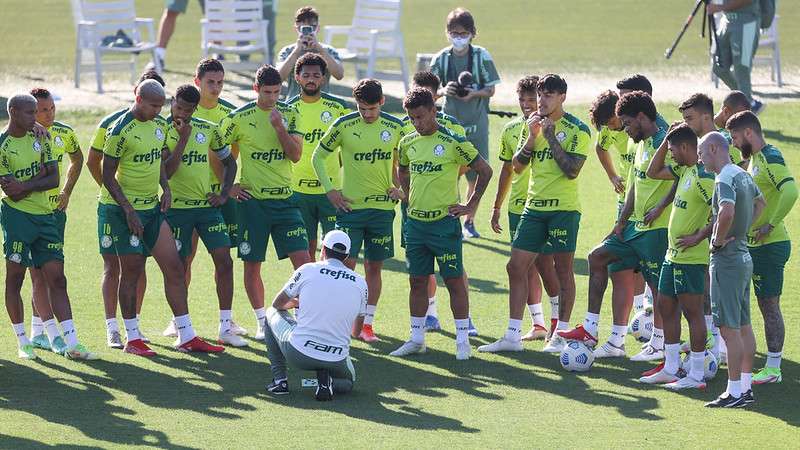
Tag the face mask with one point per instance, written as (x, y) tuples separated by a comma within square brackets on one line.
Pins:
[(459, 43)]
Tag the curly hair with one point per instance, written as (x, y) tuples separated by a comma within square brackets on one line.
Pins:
[(40, 93), (267, 75), (368, 91), (603, 108), (188, 93), (527, 84), (633, 103), (310, 59), (427, 79), (417, 97), (742, 120)]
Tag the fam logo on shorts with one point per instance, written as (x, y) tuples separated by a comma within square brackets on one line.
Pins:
[(159, 133), (244, 248), (106, 241), (15, 258), (200, 138), (134, 240), (58, 141), (385, 135), (438, 150), (561, 136), (326, 116), (37, 146)]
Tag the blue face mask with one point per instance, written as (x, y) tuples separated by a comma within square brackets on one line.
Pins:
[(459, 43)]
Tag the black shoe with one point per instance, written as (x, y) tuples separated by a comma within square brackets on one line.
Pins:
[(757, 107), (748, 398), (324, 386), (726, 401), (280, 387)]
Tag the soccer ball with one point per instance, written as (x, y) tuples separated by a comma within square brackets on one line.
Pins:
[(641, 326), (710, 365), (576, 357)]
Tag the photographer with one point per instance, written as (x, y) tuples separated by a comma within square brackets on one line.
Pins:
[(468, 79), (306, 22)]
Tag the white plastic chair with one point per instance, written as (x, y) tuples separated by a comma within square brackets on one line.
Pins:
[(767, 40), (235, 27), (373, 35), (94, 20)]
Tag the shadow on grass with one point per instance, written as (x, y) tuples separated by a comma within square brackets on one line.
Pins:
[(773, 136)]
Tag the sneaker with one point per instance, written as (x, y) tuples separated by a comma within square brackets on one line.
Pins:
[(660, 377), (726, 401), (469, 230), (170, 331), (409, 348), (59, 346), (757, 107), (367, 334), (144, 338), (432, 323), (260, 333), (501, 345), (555, 345), (324, 386), (237, 329), (685, 383), (768, 375), (553, 325), (649, 353), (228, 337), (609, 350), (578, 334), (26, 352), (472, 330), (279, 387), (41, 341), (748, 398), (655, 369), (139, 348), (114, 339), (197, 345), (463, 351), (80, 352), (537, 333)]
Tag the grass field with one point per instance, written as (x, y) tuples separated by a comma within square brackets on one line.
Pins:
[(510, 400)]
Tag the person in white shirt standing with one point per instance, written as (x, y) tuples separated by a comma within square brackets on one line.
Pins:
[(328, 297)]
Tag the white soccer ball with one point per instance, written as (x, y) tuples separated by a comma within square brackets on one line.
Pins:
[(576, 357), (641, 326), (710, 365)]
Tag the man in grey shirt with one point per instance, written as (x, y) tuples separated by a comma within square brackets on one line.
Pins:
[(736, 203)]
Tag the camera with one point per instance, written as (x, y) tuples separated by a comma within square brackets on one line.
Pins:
[(306, 30), (464, 81)]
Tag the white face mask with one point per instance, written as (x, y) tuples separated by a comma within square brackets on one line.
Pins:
[(459, 43)]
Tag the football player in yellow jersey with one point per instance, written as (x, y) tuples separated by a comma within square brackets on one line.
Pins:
[(430, 160), (733, 103), (698, 113), (317, 110), (515, 132), (28, 170), (110, 279), (555, 150), (44, 333), (130, 221)]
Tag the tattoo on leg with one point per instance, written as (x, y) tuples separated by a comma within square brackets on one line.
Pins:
[(774, 329)]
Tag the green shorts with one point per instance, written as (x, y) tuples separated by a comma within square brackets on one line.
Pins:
[(730, 290), (260, 219), (513, 223), (371, 228), (679, 279), (180, 5), (403, 217), (440, 239), (229, 216), (208, 223), (547, 231), (61, 222), (645, 249), (116, 239), (30, 239), (768, 264), (317, 213)]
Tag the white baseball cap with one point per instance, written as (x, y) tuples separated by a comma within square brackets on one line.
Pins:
[(337, 240)]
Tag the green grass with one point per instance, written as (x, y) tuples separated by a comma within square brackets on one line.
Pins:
[(526, 399)]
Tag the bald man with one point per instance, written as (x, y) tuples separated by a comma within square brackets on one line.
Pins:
[(130, 216), (28, 170)]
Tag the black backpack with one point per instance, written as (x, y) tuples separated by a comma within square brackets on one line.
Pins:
[(767, 12)]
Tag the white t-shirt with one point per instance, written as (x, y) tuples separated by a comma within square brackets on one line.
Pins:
[(331, 296)]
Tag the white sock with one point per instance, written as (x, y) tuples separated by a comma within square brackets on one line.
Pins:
[(225, 317), (618, 332), (638, 302), (432, 308), (709, 321), (562, 325), (70, 335), (774, 359), (672, 358), (37, 327), (734, 388), (696, 362), (657, 339), (746, 381), (591, 322), (261, 316), (715, 349), (514, 330), (554, 307), (184, 326), (111, 325), (418, 329), (537, 314), (19, 330), (51, 329), (131, 329), (369, 316), (462, 331)]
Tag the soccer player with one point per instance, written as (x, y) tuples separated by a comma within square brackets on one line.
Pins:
[(733, 103), (317, 111), (640, 233), (195, 208), (682, 280), (31, 236), (429, 163), (514, 132), (269, 141), (555, 150), (370, 189), (737, 204), (130, 223), (698, 113), (44, 333), (767, 240), (111, 272)]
